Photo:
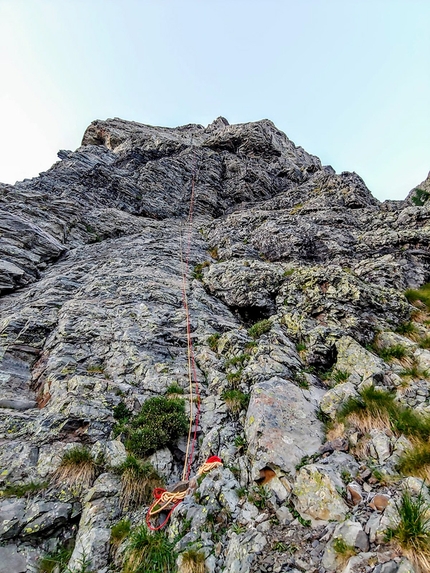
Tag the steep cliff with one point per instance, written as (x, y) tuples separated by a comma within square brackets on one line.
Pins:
[(296, 280)]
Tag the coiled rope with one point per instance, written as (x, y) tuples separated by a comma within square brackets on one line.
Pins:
[(169, 500)]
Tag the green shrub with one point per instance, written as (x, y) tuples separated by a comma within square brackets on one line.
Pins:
[(419, 197), (160, 423), (121, 412), (174, 389), (412, 530), (259, 328), (300, 346), (235, 400), (149, 552)]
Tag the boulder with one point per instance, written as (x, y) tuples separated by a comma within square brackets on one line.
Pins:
[(316, 496), (281, 426)]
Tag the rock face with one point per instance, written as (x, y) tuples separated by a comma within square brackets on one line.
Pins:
[(288, 269)]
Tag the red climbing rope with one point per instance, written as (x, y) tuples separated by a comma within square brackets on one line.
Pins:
[(165, 500)]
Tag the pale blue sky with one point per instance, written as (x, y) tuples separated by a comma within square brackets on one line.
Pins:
[(348, 80)]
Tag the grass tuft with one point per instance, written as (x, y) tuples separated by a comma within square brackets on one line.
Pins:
[(22, 489), (412, 530), (174, 389), (77, 468), (343, 550), (119, 532), (416, 461), (340, 376), (193, 561), (138, 479), (397, 351), (56, 560), (419, 297), (212, 341), (198, 270), (235, 400), (407, 329), (259, 328), (149, 552)]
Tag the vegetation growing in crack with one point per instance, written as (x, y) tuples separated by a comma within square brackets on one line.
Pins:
[(212, 341), (23, 489), (119, 532), (411, 533), (198, 270), (56, 560), (419, 297), (235, 400), (193, 561), (343, 550), (259, 328), (77, 468), (419, 197), (149, 552), (138, 480)]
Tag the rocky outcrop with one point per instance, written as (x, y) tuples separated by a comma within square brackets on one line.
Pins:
[(290, 271)]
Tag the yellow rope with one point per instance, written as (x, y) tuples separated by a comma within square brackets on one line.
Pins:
[(166, 499), (207, 467)]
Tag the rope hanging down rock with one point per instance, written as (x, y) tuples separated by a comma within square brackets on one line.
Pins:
[(169, 500)]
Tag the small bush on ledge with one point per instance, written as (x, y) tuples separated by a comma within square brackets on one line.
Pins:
[(160, 423)]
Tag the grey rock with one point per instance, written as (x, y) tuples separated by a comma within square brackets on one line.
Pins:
[(241, 551), (316, 497), (11, 561), (11, 517), (100, 510), (281, 426), (43, 517)]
